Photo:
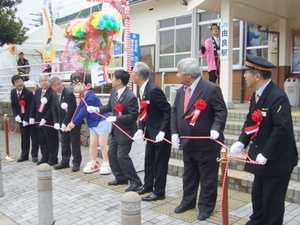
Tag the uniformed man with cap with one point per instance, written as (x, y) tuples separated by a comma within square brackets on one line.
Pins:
[(268, 130), (23, 70)]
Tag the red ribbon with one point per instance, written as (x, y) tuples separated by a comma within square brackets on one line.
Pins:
[(119, 108), (200, 105), (22, 103), (257, 118), (144, 114)]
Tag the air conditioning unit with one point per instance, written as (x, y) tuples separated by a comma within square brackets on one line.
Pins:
[(170, 91)]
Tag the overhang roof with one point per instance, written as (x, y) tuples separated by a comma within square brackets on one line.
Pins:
[(260, 12)]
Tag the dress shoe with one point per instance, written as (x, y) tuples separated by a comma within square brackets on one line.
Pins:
[(61, 166), (133, 187), (182, 209), (51, 163), (153, 197), (144, 190), (41, 161), (116, 182), (35, 159), (203, 215), (75, 168), (21, 159)]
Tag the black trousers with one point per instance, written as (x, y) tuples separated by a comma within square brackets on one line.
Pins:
[(268, 195), (120, 162), (48, 139), (71, 144), (200, 167), (212, 76), (28, 132), (156, 166)]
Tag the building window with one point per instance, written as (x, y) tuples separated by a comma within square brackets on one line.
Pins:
[(205, 20), (257, 40), (174, 41)]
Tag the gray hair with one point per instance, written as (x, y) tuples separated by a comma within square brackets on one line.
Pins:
[(54, 79), (142, 69), (189, 66), (44, 76)]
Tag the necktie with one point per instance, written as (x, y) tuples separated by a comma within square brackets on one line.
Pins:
[(58, 96), (257, 98), (116, 97), (43, 93), (141, 94), (187, 97), (19, 95)]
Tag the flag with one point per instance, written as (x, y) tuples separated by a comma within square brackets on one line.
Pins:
[(47, 48)]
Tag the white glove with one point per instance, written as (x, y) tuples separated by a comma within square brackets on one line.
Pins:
[(31, 120), (261, 159), (42, 123), (214, 134), (175, 140), (63, 127), (160, 136), (56, 126), (92, 109), (25, 123), (18, 119), (237, 147), (138, 136), (111, 119)]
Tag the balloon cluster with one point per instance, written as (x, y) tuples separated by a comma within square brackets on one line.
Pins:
[(90, 40)]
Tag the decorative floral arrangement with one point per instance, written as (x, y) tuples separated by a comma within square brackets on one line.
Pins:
[(119, 108), (257, 118), (200, 105), (42, 105), (22, 105), (144, 114), (64, 106)]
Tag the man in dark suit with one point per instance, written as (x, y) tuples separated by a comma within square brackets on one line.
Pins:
[(63, 108), (41, 112), (124, 106), (21, 99), (269, 130), (155, 122), (199, 110)]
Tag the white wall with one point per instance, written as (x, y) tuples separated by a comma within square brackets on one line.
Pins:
[(143, 21)]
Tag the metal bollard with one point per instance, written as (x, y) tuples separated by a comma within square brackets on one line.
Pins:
[(44, 187), (131, 209), (1, 180)]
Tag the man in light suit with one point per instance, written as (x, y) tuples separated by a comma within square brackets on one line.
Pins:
[(155, 123), (21, 99), (41, 112), (199, 110), (63, 108), (273, 145), (124, 107)]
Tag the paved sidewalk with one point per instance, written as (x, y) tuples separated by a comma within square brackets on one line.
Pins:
[(79, 198)]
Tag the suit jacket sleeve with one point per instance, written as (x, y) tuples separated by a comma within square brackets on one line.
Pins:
[(13, 98), (29, 100), (71, 100), (219, 107)]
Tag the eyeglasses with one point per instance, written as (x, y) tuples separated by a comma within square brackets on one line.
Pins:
[(76, 83)]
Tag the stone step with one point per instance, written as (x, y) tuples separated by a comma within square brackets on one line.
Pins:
[(239, 180), (235, 128)]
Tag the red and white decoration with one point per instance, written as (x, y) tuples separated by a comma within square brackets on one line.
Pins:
[(200, 105), (42, 105)]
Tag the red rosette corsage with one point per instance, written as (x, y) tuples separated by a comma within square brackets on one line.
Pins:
[(144, 114), (200, 105), (22, 105), (257, 118), (119, 108)]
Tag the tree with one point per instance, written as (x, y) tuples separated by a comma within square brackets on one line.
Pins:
[(11, 28)]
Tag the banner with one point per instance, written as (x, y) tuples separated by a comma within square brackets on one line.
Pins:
[(47, 48)]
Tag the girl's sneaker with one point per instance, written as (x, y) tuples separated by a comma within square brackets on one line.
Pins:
[(91, 167), (105, 168)]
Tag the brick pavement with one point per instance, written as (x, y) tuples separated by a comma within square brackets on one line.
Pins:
[(87, 199)]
